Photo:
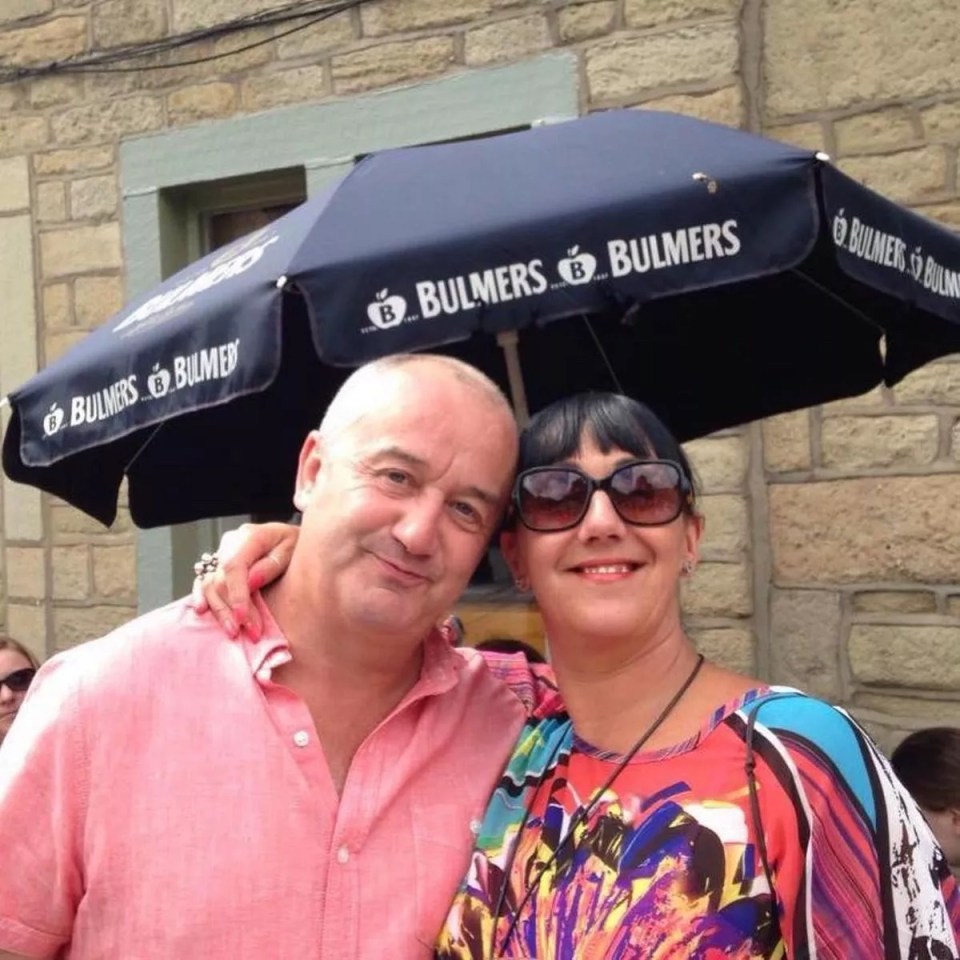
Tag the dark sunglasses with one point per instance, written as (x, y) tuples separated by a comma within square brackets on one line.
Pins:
[(645, 493), (19, 680)]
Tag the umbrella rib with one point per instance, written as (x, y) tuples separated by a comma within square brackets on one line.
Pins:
[(603, 355), (856, 311), (142, 447)]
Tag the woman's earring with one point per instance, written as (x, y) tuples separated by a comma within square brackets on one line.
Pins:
[(687, 567)]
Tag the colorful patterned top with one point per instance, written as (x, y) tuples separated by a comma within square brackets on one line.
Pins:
[(667, 865)]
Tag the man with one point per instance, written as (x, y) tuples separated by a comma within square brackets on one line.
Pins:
[(169, 792)]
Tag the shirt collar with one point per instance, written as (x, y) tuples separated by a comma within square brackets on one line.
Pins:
[(438, 673)]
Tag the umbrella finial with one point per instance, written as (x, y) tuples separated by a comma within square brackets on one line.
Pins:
[(712, 184)]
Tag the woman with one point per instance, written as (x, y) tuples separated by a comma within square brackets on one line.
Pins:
[(17, 669), (666, 807), (928, 764)]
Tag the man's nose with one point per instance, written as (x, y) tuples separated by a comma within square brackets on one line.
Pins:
[(419, 527)]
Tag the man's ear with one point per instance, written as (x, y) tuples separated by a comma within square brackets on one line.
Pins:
[(308, 466)]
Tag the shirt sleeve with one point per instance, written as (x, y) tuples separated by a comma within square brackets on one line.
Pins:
[(861, 874), (43, 795)]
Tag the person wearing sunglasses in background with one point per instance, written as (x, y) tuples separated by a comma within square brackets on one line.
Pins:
[(17, 669), (662, 806)]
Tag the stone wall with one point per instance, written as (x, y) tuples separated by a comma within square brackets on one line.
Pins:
[(831, 552)]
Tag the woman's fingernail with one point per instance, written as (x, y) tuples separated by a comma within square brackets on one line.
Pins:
[(230, 626)]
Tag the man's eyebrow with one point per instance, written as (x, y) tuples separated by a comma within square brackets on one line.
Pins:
[(398, 453)]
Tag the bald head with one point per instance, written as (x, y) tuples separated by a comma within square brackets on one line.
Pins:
[(366, 389)]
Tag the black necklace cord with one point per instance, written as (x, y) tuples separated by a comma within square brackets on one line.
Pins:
[(578, 819)]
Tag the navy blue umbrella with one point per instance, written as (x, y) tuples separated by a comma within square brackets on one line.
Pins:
[(719, 276)]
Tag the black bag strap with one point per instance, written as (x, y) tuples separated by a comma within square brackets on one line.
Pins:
[(751, 770)]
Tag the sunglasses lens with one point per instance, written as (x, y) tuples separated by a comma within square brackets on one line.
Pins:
[(551, 499), (19, 680), (647, 494)]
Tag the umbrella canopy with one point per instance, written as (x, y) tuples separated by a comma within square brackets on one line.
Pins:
[(719, 276)]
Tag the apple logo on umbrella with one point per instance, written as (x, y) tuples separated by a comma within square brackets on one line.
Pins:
[(577, 268), (53, 421), (387, 311), (158, 383)]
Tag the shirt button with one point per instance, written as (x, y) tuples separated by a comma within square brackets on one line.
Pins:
[(343, 855), (301, 738)]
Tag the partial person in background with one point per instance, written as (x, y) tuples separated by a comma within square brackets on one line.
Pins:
[(510, 645), (17, 669), (928, 764)]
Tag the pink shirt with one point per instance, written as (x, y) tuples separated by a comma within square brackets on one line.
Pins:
[(160, 797)]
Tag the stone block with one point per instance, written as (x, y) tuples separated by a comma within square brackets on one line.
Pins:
[(73, 625), (51, 205), (115, 572), (57, 312), (117, 22), (22, 511), (191, 15), (643, 13), (953, 607), (388, 63), (911, 712), (28, 623), (947, 214), (731, 647), (955, 441), (506, 40), (809, 135), (905, 176), (266, 90), (936, 383), (202, 101), (905, 655), (71, 573), (322, 37), (719, 590), (824, 55), (395, 16), (871, 399), (96, 299), (80, 250), (877, 130), (720, 106), (866, 529), (55, 91), (79, 160), (894, 601), (805, 639), (107, 121), (719, 463), (20, 133), (854, 443), (13, 10), (70, 525), (14, 185), (622, 70), (583, 21), (26, 574), (56, 344), (54, 39), (942, 121), (786, 441), (727, 529), (94, 198)]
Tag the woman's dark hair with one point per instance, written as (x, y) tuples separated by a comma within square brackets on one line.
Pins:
[(8, 643), (928, 764), (612, 420)]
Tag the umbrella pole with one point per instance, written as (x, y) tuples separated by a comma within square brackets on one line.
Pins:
[(508, 343)]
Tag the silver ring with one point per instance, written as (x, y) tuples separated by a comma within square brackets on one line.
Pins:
[(208, 563)]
